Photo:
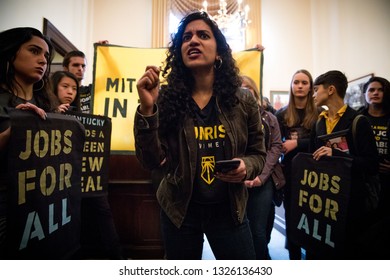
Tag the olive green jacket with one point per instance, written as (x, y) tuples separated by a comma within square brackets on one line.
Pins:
[(244, 139)]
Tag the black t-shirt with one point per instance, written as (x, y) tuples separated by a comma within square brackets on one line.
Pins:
[(210, 136), (297, 132), (380, 128)]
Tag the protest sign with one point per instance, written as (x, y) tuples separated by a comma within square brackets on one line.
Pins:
[(44, 169), (96, 154), (116, 71), (320, 193)]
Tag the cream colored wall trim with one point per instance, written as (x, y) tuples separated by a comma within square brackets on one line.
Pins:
[(160, 23)]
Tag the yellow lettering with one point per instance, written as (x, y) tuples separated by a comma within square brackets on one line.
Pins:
[(67, 142), (312, 179), (335, 184), (315, 203), (324, 182), (24, 186), (331, 208), (222, 131), (26, 154), (37, 140), (302, 197), (208, 133), (65, 176), (55, 142), (48, 190)]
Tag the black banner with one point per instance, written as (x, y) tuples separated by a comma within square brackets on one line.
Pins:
[(319, 200), (96, 155), (45, 162)]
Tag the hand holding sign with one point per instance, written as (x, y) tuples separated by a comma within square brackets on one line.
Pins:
[(29, 106)]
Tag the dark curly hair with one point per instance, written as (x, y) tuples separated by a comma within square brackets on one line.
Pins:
[(10, 42), (175, 97)]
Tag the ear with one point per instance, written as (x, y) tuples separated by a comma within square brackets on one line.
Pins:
[(331, 90)]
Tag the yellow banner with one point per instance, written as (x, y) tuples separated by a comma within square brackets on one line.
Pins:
[(116, 70)]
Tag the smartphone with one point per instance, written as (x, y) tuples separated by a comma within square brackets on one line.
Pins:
[(224, 166)]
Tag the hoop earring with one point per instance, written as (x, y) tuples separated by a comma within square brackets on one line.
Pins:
[(43, 84), (218, 63)]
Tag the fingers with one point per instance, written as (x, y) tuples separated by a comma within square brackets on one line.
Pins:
[(253, 183), (151, 77), (148, 88), (29, 106), (289, 145), (284, 148), (384, 167), (234, 176), (323, 151), (63, 108), (259, 47), (248, 184)]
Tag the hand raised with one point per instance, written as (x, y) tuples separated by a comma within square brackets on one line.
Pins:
[(148, 87)]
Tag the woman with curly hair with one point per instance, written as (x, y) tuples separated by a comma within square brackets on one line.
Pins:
[(199, 117)]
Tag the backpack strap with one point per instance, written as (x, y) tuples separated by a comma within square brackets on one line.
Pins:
[(267, 130), (354, 125), (317, 124)]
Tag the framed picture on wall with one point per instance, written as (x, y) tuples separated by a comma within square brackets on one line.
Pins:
[(279, 98), (55, 66), (354, 96)]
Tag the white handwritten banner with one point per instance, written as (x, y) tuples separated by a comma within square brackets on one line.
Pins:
[(45, 162), (319, 199)]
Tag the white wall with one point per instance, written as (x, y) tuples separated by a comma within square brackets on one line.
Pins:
[(355, 39), (287, 40), (83, 22), (125, 23), (319, 35), (71, 17)]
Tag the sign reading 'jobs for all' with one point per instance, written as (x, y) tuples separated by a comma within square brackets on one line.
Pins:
[(319, 200), (45, 161)]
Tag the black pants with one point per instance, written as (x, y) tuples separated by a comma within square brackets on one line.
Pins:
[(99, 239)]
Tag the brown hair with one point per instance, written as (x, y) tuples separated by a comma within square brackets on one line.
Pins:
[(311, 112), (252, 84)]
